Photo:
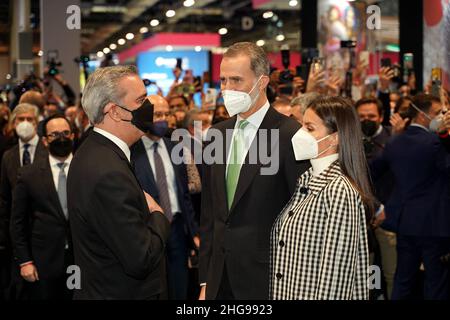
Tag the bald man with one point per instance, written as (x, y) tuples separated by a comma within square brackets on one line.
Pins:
[(167, 183)]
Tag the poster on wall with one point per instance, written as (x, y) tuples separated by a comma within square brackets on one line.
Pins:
[(437, 40)]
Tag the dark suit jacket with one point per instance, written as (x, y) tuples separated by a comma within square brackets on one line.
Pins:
[(420, 202), (118, 244), (8, 178), (240, 237), (39, 230), (144, 173)]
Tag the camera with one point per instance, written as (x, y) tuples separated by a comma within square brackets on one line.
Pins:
[(285, 77), (53, 63)]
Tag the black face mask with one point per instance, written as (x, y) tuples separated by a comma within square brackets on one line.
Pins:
[(60, 147), (369, 127), (142, 117)]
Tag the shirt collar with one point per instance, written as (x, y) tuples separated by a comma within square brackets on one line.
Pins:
[(33, 142), (257, 118), (148, 143), (54, 162), (117, 141), (379, 130)]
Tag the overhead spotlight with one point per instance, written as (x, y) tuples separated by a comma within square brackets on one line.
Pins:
[(260, 43), (8, 77), (170, 13), (293, 3), (223, 31), (121, 42), (40, 53), (169, 48), (268, 14), (100, 54), (188, 3), (154, 22), (129, 36), (143, 30), (198, 48), (113, 46), (280, 37), (106, 50)]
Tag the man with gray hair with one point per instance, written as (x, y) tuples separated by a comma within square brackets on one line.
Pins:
[(299, 105), (119, 232), (23, 120)]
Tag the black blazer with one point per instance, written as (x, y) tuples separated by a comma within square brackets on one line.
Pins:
[(240, 237), (118, 244), (420, 202), (39, 229), (144, 173), (8, 178)]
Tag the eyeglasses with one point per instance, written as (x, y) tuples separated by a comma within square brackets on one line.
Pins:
[(56, 134)]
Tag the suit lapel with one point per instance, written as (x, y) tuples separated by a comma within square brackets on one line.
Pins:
[(144, 172), (48, 184), (248, 171)]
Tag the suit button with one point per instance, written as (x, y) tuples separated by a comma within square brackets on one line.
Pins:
[(281, 243), (303, 190), (291, 213), (279, 276)]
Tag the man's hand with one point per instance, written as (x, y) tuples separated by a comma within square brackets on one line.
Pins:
[(445, 122), (29, 273), (202, 295), (152, 205), (385, 74), (197, 241), (334, 84), (398, 123), (379, 219)]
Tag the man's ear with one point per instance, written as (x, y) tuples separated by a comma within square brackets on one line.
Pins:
[(45, 141), (265, 80), (111, 109)]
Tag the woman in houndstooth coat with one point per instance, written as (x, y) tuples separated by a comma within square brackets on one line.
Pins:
[(319, 246)]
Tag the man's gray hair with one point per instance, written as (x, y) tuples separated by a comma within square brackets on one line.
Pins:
[(304, 100), (24, 108), (259, 63), (102, 88), (190, 117)]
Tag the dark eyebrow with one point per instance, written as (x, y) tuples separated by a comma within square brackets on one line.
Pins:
[(236, 78)]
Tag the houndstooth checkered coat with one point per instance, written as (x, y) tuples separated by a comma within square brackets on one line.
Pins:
[(319, 244)]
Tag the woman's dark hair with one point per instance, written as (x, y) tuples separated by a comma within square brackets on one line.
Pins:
[(339, 115)]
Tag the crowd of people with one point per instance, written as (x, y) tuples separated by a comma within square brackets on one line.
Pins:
[(94, 183)]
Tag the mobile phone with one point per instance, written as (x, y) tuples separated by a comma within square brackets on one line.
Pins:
[(211, 96), (386, 63), (318, 64), (408, 61), (436, 81), (364, 58), (179, 62)]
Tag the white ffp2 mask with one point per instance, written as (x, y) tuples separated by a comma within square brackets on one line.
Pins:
[(238, 101), (305, 146)]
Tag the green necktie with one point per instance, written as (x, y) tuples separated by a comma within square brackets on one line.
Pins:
[(235, 163)]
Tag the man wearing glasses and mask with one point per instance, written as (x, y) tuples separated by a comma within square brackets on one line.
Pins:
[(43, 252)]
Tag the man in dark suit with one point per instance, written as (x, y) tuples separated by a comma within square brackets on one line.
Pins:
[(119, 233), (419, 208), (166, 181), (39, 219), (29, 148), (242, 197)]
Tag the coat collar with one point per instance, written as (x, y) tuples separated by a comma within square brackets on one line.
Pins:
[(317, 183)]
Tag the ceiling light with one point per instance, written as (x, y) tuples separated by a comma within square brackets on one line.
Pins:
[(293, 3), (188, 3), (129, 36), (100, 54), (40, 53), (170, 13), (280, 37), (169, 48), (106, 50), (260, 43), (267, 14), (113, 46), (143, 30), (198, 48), (223, 31), (121, 42), (154, 22)]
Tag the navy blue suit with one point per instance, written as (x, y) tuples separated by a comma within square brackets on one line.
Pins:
[(418, 209), (183, 227)]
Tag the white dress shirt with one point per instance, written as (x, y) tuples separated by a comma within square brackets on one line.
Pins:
[(31, 149), (55, 169), (168, 168), (254, 122), (117, 141), (321, 164)]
